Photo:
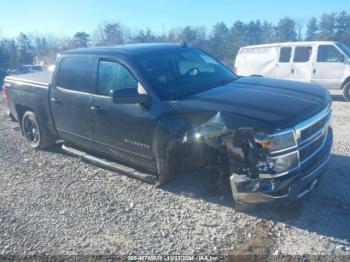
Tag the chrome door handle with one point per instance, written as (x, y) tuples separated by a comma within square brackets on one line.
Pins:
[(96, 109), (56, 100)]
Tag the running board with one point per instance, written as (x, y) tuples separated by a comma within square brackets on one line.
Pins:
[(150, 178)]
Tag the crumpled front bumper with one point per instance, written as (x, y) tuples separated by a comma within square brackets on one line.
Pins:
[(287, 188)]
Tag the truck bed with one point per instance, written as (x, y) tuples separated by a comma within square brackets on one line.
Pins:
[(38, 78), (29, 92)]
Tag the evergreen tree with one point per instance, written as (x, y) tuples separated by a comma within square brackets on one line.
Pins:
[(342, 27), (253, 33), (189, 35), (311, 29), (25, 50), (285, 30), (41, 46), (236, 38), (327, 26), (219, 41), (268, 33), (81, 39), (4, 55)]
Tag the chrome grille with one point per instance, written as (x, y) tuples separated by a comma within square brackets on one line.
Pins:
[(312, 134), (311, 138), (310, 148), (313, 130)]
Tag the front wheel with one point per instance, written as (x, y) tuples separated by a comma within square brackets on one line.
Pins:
[(166, 171), (346, 91), (34, 131)]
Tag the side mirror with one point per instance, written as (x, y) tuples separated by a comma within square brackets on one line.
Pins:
[(342, 59), (128, 96), (347, 60)]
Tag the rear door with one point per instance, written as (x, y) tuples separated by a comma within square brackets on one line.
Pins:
[(283, 66), (70, 97), (330, 67), (302, 64)]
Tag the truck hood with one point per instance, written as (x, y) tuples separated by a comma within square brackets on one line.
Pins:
[(279, 103)]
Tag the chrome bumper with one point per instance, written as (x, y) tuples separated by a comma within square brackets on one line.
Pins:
[(291, 185), (289, 190)]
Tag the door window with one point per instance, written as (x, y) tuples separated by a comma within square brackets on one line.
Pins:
[(114, 76), (328, 53), (285, 54), (74, 74), (302, 54)]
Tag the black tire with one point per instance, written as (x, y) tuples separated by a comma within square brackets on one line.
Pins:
[(166, 171), (35, 132), (346, 91)]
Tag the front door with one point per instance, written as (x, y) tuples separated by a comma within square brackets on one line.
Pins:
[(122, 130), (302, 64), (330, 67), (70, 98)]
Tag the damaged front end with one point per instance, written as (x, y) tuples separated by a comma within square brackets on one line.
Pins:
[(262, 166)]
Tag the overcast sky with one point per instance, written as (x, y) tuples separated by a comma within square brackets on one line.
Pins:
[(65, 17)]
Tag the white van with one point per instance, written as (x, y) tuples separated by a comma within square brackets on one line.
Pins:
[(326, 63)]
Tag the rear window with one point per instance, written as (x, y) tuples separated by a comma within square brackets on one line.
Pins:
[(285, 54), (302, 54), (74, 74)]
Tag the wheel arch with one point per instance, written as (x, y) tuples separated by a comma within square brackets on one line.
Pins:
[(347, 80), (21, 109)]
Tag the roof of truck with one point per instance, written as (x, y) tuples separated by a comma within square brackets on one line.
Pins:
[(291, 44), (130, 49), (44, 78)]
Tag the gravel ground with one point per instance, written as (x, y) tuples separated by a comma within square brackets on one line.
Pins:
[(55, 204)]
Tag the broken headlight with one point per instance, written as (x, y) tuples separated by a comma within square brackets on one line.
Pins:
[(280, 156), (276, 142)]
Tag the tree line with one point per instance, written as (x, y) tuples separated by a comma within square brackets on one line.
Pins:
[(223, 41)]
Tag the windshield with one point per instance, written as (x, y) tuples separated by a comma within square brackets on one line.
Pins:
[(183, 72), (344, 48)]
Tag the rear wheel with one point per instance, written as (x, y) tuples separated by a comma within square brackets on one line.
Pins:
[(34, 131), (346, 91)]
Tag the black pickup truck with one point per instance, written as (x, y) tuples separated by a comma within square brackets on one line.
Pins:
[(151, 109)]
